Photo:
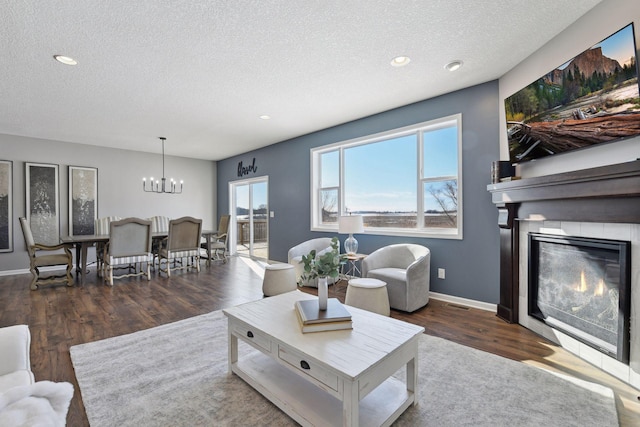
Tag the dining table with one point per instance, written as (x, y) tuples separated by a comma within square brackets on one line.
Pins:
[(82, 243)]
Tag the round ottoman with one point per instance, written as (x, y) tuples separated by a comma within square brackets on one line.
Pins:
[(278, 279), (368, 294)]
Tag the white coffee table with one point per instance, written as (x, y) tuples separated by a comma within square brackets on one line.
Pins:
[(325, 378)]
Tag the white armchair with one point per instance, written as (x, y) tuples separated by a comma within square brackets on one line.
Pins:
[(15, 364), (406, 270), (24, 402), (320, 245)]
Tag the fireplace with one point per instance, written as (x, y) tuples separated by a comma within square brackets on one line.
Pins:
[(600, 202), (581, 286)]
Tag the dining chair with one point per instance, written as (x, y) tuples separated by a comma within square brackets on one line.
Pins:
[(129, 244), (219, 241), (182, 243), (46, 256), (101, 227), (159, 224)]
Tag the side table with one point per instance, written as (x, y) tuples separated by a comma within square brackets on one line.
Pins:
[(352, 266)]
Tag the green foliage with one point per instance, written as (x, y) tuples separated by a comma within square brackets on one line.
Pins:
[(326, 265)]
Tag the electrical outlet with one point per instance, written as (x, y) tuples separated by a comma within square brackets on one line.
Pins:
[(441, 273)]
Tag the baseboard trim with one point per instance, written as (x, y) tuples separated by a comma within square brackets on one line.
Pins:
[(14, 272), (464, 301), (27, 271)]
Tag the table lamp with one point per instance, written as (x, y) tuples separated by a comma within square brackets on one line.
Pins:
[(349, 225)]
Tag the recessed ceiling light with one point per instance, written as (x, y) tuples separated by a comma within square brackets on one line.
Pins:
[(400, 61), (453, 65), (265, 117), (67, 60)]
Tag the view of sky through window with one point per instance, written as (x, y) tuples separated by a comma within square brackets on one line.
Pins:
[(381, 176)]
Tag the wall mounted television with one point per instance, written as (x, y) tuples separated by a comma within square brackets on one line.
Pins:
[(589, 100)]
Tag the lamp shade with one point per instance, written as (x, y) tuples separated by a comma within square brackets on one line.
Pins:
[(350, 224)]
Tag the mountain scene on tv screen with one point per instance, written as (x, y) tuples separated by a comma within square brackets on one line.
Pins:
[(591, 99)]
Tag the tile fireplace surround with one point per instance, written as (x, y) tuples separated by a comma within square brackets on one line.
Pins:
[(601, 202)]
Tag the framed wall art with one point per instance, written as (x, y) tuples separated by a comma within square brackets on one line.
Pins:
[(43, 202), (83, 200), (6, 206)]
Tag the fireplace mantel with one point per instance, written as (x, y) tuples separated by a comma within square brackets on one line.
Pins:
[(608, 194)]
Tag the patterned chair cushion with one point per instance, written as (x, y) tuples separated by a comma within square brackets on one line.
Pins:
[(130, 259), (180, 254)]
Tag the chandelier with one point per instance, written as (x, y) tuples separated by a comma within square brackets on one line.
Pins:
[(161, 186)]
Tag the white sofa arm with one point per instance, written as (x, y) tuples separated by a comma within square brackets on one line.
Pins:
[(15, 344)]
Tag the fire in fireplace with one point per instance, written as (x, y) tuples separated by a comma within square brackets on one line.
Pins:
[(581, 286)]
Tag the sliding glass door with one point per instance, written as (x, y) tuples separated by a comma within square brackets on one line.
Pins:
[(250, 217)]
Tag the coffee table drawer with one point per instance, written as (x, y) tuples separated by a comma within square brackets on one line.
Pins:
[(300, 363), (252, 336)]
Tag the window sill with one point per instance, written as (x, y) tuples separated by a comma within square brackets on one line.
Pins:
[(424, 234)]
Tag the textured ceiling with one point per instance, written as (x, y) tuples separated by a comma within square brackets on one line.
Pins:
[(202, 72)]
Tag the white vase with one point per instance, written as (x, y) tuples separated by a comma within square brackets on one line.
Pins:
[(323, 293)]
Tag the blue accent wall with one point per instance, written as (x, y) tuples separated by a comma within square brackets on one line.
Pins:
[(472, 264)]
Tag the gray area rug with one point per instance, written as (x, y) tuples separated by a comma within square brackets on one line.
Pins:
[(176, 375)]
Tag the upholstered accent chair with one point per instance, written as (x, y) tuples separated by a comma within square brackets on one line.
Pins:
[(23, 401), (320, 245), (129, 244), (182, 246), (15, 360), (405, 268), (218, 249), (101, 227), (159, 224), (46, 256)]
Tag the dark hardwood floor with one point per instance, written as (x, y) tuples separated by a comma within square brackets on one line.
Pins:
[(60, 317)]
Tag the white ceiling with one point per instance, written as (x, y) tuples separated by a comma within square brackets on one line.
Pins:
[(201, 72)]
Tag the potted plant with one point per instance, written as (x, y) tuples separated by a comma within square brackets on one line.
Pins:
[(325, 265)]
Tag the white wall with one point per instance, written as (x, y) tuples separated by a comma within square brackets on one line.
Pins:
[(120, 192), (596, 25)]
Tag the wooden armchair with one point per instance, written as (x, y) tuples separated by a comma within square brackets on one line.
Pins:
[(46, 256), (218, 248), (183, 241)]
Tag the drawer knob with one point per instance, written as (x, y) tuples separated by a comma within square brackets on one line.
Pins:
[(250, 334), (304, 364)]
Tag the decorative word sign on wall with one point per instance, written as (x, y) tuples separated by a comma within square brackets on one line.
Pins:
[(245, 170)]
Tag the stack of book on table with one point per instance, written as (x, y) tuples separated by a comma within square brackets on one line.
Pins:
[(312, 319)]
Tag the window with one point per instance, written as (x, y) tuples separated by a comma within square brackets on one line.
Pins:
[(403, 182)]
